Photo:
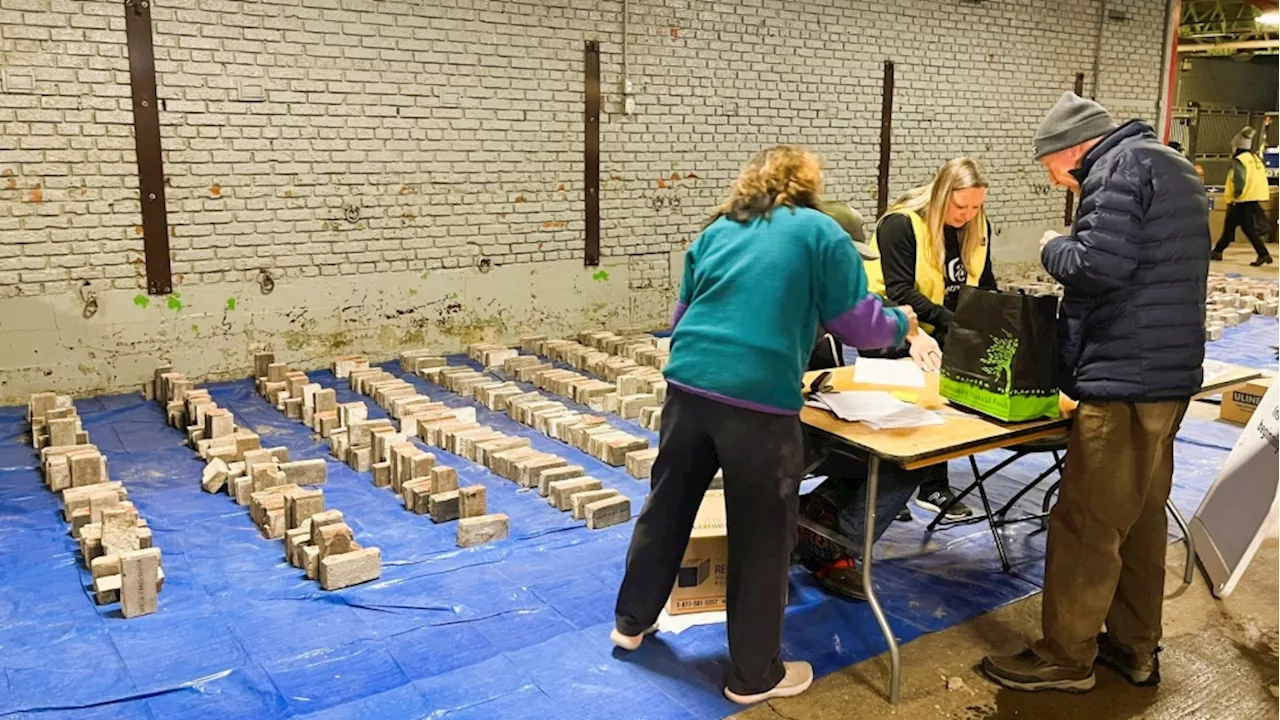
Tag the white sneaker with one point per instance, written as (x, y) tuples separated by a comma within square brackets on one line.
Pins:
[(631, 642), (798, 679)]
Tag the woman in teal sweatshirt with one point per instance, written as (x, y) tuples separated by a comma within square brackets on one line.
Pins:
[(757, 282)]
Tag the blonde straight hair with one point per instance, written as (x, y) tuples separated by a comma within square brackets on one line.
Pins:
[(931, 201)]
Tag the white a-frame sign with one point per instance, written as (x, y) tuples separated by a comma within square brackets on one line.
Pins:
[(1241, 506)]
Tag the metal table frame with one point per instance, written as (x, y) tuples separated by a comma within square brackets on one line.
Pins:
[(827, 443)]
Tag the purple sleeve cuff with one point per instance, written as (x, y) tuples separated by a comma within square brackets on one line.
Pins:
[(679, 313), (869, 325)]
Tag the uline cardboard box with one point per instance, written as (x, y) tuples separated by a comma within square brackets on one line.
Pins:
[(700, 583), (1239, 402)]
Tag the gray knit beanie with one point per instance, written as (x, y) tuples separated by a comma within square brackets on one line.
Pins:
[(1243, 139), (1072, 121)]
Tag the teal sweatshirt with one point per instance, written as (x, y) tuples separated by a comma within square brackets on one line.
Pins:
[(751, 300)]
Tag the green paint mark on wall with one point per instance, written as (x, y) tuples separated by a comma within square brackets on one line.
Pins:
[(174, 303), (195, 329), (231, 303), (141, 300), (425, 275), (601, 276), (412, 292)]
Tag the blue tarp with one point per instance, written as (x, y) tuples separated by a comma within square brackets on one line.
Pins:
[(514, 629)]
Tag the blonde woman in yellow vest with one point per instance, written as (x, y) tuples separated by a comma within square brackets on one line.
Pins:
[(1246, 191), (934, 239)]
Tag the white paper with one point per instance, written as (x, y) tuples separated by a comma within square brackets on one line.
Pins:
[(874, 371), (1214, 370), (876, 409)]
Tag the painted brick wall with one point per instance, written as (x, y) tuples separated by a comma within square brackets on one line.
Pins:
[(338, 137)]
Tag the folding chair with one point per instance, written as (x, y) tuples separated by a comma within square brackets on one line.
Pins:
[(1055, 445)]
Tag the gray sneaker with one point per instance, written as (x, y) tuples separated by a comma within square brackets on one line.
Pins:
[(1028, 671), (798, 678)]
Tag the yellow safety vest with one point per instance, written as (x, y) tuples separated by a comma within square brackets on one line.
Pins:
[(929, 279), (1255, 181)]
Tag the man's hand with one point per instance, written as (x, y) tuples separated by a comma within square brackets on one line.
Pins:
[(1049, 236), (925, 352)]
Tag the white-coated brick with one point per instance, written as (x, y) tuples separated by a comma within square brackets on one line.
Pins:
[(455, 127)]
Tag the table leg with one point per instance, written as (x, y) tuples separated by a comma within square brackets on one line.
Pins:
[(1189, 572), (868, 541)]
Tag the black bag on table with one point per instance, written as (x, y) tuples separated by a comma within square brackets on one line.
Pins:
[(1001, 355)]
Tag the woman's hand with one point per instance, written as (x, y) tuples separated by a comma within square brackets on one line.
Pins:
[(913, 323), (925, 352)]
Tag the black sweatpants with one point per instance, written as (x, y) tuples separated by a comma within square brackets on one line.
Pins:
[(1249, 217), (762, 456)]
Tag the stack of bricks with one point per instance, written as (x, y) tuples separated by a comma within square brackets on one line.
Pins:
[(280, 503), (630, 365), (1036, 282), (514, 458), (115, 543), (320, 543), (376, 446), (54, 421), (551, 418), (1232, 301), (1228, 303)]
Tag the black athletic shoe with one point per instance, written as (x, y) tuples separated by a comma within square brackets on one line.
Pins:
[(1140, 671), (935, 501), (904, 515)]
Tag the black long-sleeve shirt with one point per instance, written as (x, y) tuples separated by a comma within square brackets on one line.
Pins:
[(896, 240)]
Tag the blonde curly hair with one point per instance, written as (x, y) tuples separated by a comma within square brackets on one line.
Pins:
[(788, 175)]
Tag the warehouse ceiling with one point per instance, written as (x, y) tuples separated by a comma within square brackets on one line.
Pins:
[(1229, 27)]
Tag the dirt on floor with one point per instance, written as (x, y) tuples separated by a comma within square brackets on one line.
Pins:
[(1219, 663)]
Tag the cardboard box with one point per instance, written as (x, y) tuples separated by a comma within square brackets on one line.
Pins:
[(700, 583), (1239, 402)]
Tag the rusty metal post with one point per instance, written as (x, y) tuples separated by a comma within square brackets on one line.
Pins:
[(591, 161), (146, 137), (886, 139), (1069, 215)]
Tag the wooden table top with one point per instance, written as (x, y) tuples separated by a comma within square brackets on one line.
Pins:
[(961, 434)]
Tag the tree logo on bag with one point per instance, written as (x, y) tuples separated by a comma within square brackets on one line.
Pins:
[(999, 359)]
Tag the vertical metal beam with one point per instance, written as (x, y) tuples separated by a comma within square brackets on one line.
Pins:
[(1068, 215), (591, 149), (886, 140), (1169, 83), (146, 137)]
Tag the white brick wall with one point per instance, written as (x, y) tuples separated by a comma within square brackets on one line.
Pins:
[(454, 127)]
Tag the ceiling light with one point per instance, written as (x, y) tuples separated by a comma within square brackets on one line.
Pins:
[(1269, 18)]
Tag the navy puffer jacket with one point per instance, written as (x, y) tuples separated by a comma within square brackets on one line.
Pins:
[(1134, 272)]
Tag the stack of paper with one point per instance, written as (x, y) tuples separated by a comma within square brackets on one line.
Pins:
[(876, 410), (875, 371)]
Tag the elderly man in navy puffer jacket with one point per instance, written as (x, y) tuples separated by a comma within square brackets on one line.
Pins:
[(1131, 346)]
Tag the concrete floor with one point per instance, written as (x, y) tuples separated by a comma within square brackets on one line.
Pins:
[(1238, 256), (1219, 660), (1219, 663)]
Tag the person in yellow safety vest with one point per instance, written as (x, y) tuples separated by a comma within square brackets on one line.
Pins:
[(1246, 191), (933, 240)]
